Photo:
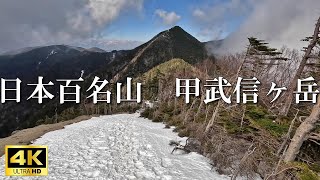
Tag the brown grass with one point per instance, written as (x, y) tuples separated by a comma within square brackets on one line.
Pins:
[(25, 136)]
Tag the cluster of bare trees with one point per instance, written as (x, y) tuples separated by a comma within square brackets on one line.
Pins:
[(268, 65), (305, 129), (284, 67)]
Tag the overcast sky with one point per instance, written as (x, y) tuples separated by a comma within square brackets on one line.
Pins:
[(27, 23)]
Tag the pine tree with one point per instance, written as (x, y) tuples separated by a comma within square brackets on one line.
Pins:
[(258, 55)]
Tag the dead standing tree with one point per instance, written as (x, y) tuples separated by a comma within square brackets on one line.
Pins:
[(305, 129), (313, 42)]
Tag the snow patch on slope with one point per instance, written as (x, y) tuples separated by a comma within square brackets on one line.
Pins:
[(51, 53), (119, 147)]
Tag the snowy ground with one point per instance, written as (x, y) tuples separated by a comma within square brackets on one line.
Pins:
[(118, 147)]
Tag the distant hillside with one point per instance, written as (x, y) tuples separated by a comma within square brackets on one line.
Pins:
[(67, 62), (212, 46), (51, 62), (96, 49)]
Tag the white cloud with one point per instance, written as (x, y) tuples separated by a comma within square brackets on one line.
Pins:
[(199, 13), (108, 44), (279, 23), (284, 24), (168, 18), (214, 19), (43, 22), (106, 10)]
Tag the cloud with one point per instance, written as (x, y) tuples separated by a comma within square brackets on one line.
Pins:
[(108, 44), (199, 13), (279, 23), (106, 10), (42, 22), (216, 18), (168, 18)]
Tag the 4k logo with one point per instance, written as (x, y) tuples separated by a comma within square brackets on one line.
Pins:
[(26, 160)]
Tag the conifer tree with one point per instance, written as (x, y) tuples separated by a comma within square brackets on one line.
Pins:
[(258, 55)]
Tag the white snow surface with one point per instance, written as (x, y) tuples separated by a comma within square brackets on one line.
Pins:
[(53, 52), (119, 147)]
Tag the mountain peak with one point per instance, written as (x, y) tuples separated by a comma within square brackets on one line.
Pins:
[(167, 45), (176, 28), (177, 33)]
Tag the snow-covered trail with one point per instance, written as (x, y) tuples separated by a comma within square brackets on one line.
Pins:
[(118, 147)]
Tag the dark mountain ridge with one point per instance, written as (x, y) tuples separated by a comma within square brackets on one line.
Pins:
[(169, 44), (67, 62)]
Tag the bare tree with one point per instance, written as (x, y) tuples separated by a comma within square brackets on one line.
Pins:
[(314, 40), (302, 133), (220, 103)]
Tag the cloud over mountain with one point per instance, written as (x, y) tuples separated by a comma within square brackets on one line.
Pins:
[(39, 22), (168, 18), (108, 44), (280, 23)]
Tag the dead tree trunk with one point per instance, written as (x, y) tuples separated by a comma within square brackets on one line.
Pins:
[(56, 115), (199, 108), (302, 133), (188, 111), (220, 103), (315, 39), (287, 136), (214, 115)]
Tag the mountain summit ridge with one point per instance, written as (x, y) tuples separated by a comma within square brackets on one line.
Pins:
[(65, 62), (167, 45)]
